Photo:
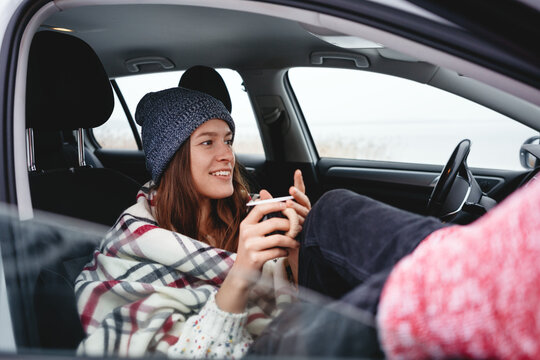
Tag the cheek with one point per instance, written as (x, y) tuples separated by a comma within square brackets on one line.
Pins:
[(195, 165)]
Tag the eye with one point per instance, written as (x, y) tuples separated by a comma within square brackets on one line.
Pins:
[(207, 142), (229, 142)]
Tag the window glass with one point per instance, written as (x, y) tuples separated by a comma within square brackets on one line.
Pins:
[(112, 133), (116, 132), (363, 115)]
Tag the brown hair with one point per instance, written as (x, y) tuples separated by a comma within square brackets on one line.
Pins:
[(176, 203)]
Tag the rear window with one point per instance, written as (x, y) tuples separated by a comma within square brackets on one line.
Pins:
[(116, 132)]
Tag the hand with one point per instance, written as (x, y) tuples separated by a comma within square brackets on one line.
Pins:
[(254, 246), (301, 205), (254, 249)]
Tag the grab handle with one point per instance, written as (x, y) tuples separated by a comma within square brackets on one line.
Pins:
[(360, 61)]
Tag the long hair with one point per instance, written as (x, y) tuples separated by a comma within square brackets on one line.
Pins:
[(176, 203)]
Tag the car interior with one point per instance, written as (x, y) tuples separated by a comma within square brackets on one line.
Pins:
[(74, 57)]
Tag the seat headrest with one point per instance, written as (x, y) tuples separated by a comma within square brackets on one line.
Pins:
[(67, 87), (207, 80)]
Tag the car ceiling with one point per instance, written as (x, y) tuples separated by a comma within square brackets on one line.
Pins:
[(189, 35)]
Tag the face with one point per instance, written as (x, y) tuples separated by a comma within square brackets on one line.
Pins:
[(212, 159)]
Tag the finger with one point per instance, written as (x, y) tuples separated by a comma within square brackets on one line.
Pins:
[(272, 241), (279, 240), (299, 181), (255, 260), (294, 222), (273, 253), (300, 209), (274, 224), (258, 211), (300, 197), (264, 195)]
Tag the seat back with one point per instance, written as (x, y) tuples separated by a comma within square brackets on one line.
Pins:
[(57, 318), (41, 258), (67, 89), (58, 150)]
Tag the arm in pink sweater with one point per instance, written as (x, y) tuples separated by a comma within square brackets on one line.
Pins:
[(469, 291)]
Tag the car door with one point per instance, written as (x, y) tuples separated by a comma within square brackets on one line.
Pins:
[(388, 137), (476, 36)]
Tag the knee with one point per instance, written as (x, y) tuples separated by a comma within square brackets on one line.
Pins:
[(336, 205), (330, 199), (328, 204)]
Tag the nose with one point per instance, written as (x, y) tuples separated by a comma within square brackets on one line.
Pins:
[(225, 153)]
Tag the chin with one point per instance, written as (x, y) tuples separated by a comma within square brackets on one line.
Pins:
[(222, 194)]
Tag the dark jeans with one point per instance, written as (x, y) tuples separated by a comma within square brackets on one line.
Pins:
[(351, 240), (348, 248)]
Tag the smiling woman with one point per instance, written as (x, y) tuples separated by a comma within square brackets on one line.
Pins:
[(188, 222), (308, 96)]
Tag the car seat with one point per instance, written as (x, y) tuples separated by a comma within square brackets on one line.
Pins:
[(58, 149), (67, 90), (207, 80)]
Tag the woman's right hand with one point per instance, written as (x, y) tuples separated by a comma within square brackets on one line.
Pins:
[(254, 246), (254, 249)]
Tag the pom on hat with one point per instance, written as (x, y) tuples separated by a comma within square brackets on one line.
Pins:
[(169, 117)]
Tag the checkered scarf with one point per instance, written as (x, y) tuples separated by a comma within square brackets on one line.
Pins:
[(144, 282)]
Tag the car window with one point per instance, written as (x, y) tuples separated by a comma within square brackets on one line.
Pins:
[(363, 115), (116, 132)]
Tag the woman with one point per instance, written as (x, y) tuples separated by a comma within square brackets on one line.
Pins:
[(152, 287)]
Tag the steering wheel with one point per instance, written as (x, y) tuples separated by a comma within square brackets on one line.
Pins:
[(454, 184)]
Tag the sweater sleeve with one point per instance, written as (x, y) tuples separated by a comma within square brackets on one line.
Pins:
[(213, 333), (469, 291)]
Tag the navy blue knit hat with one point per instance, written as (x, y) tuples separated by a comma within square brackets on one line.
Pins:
[(169, 117)]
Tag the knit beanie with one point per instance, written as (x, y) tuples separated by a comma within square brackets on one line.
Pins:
[(169, 117)]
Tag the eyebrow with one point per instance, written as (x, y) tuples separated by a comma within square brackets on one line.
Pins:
[(212, 133)]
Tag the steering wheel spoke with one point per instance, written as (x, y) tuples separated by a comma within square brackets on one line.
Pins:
[(457, 190)]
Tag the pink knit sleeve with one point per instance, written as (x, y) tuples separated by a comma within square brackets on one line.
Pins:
[(469, 291)]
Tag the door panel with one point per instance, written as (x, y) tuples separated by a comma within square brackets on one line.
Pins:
[(407, 186)]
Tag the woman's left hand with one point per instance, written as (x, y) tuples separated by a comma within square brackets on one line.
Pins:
[(301, 205)]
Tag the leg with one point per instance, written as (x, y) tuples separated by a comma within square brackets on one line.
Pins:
[(349, 237)]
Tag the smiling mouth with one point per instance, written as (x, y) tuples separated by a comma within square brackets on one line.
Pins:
[(221, 173)]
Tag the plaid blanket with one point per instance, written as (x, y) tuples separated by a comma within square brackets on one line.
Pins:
[(144, 282)]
